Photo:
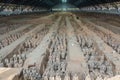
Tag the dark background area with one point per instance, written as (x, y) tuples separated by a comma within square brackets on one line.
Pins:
[(51, 3)]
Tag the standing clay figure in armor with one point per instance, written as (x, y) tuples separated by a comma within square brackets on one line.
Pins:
[(63, 55), (91, 63), (109, 68), (11, 62), (15, 58), (51, 77), (118, 49), (88, 77), (63, 66), (57, 77), (75, 77), (99, 78), (6, 62), (67, 77), (20, 62), (1, 64), (45, 77)]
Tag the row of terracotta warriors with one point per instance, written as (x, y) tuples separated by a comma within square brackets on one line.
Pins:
[(102, 7), (9, 9), (95, 60), (5, 28), (24, 48)]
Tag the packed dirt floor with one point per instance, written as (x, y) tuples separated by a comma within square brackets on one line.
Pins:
[(60, 46)]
